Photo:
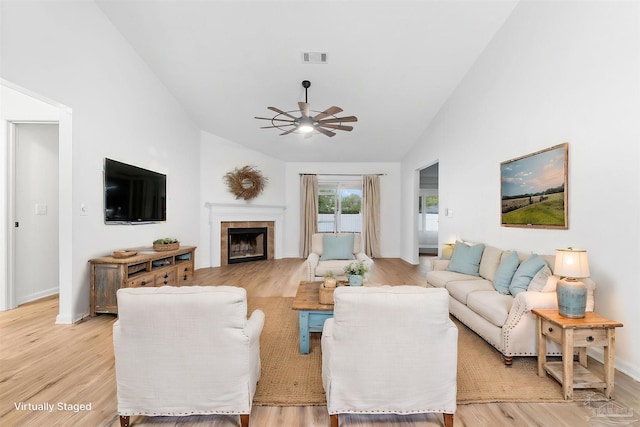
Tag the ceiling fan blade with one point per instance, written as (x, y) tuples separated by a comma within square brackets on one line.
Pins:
[(284, 113), (324, 131), (340, 120), (339, 127), (289, 131), (328, 112), (278, 126), (304, 109), (273, 118)]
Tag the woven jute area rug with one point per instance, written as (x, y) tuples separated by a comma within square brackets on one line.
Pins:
[(289, 378)]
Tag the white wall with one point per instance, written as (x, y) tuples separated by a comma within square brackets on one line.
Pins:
[(389, 195), (556, 72), (219, 156), (68, 51)]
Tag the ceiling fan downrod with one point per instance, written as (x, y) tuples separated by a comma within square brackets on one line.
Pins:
[(306, 84)]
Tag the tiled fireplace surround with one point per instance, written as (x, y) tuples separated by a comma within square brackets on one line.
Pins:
[(225, 215), (224, 236)]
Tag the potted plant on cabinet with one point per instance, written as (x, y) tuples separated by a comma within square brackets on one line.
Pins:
[(166, 244), (355, 272)]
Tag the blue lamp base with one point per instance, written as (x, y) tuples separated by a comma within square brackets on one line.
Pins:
[(572, 298)]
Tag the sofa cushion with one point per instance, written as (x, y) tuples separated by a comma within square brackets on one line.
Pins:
[(439, 278), (491, 305), (525, 272), (337, 247), (466, 259), (489, 262), (504, 274), (460, 290)]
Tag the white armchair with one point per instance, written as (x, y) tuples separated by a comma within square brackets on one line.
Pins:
[(390, 350), (186, 351), (317, 267)]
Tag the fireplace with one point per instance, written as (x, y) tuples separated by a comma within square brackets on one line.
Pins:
[(246, 244), (244, 241)]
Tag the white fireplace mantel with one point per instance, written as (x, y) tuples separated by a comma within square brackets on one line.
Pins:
[(219, 212)]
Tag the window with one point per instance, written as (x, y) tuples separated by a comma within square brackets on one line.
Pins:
[(340, 206)]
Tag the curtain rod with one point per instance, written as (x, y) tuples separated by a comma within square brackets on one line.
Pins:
[(343, 174)]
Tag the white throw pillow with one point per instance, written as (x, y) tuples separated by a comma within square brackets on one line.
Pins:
[(552, 282), (539, 281)]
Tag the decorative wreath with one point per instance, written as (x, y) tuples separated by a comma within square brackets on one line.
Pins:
[(245, 183)]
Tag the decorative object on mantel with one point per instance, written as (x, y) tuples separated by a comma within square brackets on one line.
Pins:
[(355, 272), (246, 183), (572, 264), (123, 253), (166, 244)]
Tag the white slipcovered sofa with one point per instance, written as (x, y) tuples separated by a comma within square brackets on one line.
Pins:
[(187, 350), (504, 320), (390, 350), (323, 260)]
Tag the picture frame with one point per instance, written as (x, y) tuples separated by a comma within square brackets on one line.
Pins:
[(534, 189)]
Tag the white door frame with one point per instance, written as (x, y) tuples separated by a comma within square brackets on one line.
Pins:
[(65, 222)]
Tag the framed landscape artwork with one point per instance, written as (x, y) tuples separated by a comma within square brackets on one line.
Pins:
[(533, 189)]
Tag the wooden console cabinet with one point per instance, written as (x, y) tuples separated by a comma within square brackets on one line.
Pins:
[(147, 268)]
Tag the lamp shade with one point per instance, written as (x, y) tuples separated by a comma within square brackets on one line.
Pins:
[(571, 263)]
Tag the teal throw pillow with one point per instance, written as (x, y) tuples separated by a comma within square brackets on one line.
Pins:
[(505, 271), (525, 273), (337, 247), (466, 259)]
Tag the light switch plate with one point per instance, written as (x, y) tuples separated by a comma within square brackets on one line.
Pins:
[(41, 209)]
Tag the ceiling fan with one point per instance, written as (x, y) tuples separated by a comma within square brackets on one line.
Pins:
[(309, 121)]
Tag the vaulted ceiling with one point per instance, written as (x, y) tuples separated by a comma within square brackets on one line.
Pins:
[(390, 63)]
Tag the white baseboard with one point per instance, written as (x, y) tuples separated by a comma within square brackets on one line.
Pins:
[(38, 295), (621, 365)]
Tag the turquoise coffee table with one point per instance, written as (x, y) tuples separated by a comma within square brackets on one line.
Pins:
[(312, 314)]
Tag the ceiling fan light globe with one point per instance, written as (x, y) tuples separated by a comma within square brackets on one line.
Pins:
[(305, 128)]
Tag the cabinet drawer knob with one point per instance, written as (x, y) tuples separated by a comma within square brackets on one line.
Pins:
[(185, 277), (550, 330), (143, 283), (166, 275), (590, 338), (165, 282)]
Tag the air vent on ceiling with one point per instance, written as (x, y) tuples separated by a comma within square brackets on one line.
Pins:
[(314, 57)]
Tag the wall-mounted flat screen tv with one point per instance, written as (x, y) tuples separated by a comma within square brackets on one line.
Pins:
[(133, 195)]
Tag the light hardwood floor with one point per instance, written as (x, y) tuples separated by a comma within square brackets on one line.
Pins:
[(73, 364)]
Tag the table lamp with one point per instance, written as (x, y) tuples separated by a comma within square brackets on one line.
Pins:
[(571, 265)]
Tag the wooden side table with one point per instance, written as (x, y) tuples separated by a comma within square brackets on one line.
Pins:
[(591, 331)]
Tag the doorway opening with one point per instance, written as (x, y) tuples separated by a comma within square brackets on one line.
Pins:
[(35, 210), (428, 211), (22, 106)]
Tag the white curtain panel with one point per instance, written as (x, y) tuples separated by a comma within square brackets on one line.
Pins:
[(309, 211), (371, 215)]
